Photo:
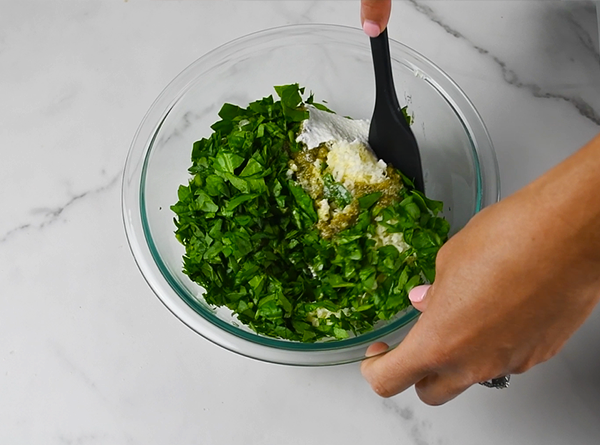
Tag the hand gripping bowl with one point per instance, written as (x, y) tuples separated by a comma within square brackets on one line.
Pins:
[(334, 62)]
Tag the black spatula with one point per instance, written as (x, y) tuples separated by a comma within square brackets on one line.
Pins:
[(390, 136)]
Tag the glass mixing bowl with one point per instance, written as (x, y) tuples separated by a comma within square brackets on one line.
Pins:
[(334, 62)]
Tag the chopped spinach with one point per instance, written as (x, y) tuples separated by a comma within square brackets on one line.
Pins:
[(336, 192), (251, 240)]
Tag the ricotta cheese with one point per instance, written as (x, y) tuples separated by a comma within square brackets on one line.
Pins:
[(383, 238), (322, 314), (323, 126)]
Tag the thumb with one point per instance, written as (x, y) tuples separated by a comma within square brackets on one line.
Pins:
[(418, 297), (374, 16)]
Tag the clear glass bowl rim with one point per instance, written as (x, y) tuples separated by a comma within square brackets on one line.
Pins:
[(210, 326)]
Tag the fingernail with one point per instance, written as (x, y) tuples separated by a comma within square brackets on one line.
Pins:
[(417, 293), (371, 28)]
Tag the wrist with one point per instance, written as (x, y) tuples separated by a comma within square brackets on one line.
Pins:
[(566, 201)]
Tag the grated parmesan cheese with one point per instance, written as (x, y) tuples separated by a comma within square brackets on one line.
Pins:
[(352, 162)]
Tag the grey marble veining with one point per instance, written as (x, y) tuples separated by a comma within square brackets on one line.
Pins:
[(88, 355), (576, 40), (41, 217)]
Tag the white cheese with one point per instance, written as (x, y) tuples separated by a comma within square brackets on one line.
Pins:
[(352, 162), (322, 126), (350, 158), (383, 238), (322, 314), (323, 210)]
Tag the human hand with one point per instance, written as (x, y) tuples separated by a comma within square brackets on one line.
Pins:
[(374, 16), (510, 289)]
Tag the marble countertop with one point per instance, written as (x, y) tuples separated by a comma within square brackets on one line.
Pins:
[(88, 354)]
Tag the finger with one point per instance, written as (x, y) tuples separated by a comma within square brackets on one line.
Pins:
[(418, 297), (395, 371), (375, 15), (438, 389), (376, 349)]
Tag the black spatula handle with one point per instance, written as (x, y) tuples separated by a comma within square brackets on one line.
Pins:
[(390, 135), (384, 79)]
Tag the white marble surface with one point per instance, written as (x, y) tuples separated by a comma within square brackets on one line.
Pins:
[(88, 355)]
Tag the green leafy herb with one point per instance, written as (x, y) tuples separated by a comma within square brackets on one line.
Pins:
[(368, 200), (251, 238), (335, 191)]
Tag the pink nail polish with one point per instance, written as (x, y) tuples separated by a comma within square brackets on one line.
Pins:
[(371, 28), (417, 294)]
